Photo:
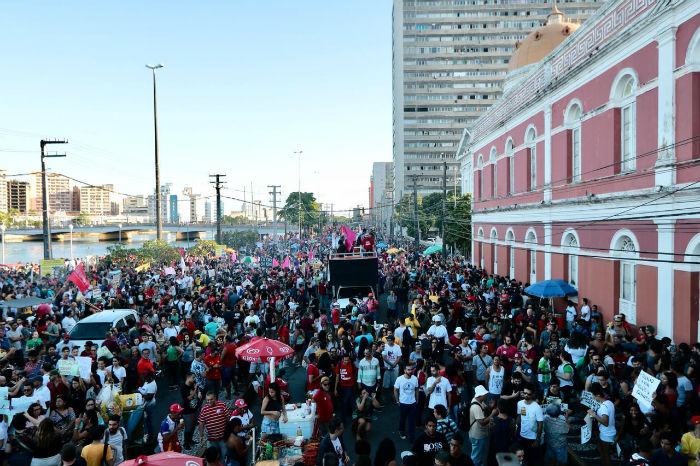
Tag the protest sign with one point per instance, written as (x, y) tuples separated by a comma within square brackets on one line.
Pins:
[(645, 387), (20, 405), (68, 367), (51, 267), (587, 399), (84, 367), (4, 399), (169, 270), (585, 434), (211, 273)]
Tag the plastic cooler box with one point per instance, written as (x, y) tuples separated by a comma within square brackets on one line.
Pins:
[(296, 419)]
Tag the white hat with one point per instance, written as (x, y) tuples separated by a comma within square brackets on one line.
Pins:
[(459, 330), (437, 319), (480, 391)]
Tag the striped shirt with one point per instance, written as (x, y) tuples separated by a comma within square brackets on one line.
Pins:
[(214, 418)]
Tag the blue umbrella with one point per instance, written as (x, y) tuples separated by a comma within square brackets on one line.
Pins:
[(551, 289), (382, 245)]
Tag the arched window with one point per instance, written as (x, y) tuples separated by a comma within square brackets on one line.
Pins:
[(480, 180), (571, 247), (510, 147), (573, 122), (625, 247), (531, 238), (624, 95), (510, 239), (492, 158), (480, 237), (494, 248), (532, 159)]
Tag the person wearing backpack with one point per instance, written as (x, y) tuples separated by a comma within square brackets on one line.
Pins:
[(479, 425), (115, 436), (97, 453)]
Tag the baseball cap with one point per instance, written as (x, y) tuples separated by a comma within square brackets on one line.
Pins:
[(325, 379), (437, 319), (517, 356), (695, 420), (240, 403), (66, 337), (176, 408)]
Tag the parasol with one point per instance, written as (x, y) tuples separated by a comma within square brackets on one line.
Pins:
[(551, 289), (168, 458), (392, 251), (432, 249), (247, 260), (265, 349)]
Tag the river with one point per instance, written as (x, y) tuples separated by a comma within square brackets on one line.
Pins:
[(33, 251)]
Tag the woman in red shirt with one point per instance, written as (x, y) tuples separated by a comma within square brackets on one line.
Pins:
[(345, 383)]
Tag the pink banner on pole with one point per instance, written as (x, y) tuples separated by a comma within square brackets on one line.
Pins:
[(311, 254), (349, 237), (233, 257), (275, 263), (285, 264)]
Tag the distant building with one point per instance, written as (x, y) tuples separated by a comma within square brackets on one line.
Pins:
[(208, 216), (135, 205), (164, 204), (75, 199), (18, 196), (58, 192), (3, 191), (96, 200), (381, 194), (174, 217)]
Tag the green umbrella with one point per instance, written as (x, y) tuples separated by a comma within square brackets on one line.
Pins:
[(432, 249), (247, 259)]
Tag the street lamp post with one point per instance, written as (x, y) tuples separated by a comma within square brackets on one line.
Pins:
[(159, 220), (2, 230), (298, 153), (70, 227), (120, 232)]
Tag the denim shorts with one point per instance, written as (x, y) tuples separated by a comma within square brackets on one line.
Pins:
[(269, 427), (559, 454)]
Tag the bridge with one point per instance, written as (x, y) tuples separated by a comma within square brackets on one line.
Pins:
[(188, 232)]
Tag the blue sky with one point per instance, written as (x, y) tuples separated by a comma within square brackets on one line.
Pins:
[(244, 85)]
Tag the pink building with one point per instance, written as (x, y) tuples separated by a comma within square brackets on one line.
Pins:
[(587, 168)]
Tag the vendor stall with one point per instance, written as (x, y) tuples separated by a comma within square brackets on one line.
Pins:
[(294, 442)]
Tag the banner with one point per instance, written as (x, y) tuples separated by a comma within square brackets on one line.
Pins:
[(233, 257), (169, 270), (219, 249), (50, 267), (285, 264), (275, 263), (84, 367), (78, 277), (68, 367), (644, 387), (143, 267), (311, 254)]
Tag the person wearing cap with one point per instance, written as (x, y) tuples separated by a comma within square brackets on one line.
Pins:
[(324, 406), (242, 412), (456, 338), (690, 441), (438, 330), (556, 427), (169, 428), (479, 425)]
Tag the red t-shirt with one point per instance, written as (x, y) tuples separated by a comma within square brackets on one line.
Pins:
[(335, 316), (213, 373), (367, 243), (143, 366), (230, 360), (346, 374), (311, 373), (324, 406)]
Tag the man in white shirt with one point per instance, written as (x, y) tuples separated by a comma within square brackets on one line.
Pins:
[(170, 330), (529, 421), (570, 315), (437, 388), (438, 330), (68, 321), (406, 394), (392, 357), (586, 310), (148, 391)]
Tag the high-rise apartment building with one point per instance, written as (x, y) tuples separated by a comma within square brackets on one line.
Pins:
[(96, 200), (381, 193), (18, 196), (164, 204), (449, 61), (3, 191), (58, 192)]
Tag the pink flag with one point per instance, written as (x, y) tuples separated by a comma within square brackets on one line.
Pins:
[(78, 277), (349, 237), (275, 263), (285, 264), (311, 254), (233, 257)]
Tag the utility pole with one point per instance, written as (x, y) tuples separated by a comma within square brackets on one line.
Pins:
[(44, 192), (159, 217), (415, 211), (444, 197), (217, 185), (274, 194), (391, 224)]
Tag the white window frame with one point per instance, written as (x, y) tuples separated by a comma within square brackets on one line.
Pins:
[(494, 248), (531, 238), (572, 247), (625, 247), (628, 136), (531, 141), (494, 160), (510, 146), (573, 121), (510, 240)]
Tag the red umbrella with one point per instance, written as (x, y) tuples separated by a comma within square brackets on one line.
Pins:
[(168, 458), (263, 348)]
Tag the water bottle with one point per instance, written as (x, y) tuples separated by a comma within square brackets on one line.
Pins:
[(299, 432), (268, 451)]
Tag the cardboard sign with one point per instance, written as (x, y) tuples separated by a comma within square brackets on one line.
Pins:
[(50, 267), (84, 367), (587, 399), (68, 367), (4, 399), (645, 387), (585, 434)]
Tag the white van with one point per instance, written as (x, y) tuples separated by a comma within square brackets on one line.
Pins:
[(93, 328)]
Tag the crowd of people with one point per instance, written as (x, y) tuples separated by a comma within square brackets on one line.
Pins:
[(471, 367)]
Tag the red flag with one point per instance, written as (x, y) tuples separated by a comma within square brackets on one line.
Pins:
[(78, 277), (311, 254)]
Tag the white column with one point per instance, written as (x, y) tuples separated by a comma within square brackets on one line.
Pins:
[(547, 240), (548, 153), (665, 231), (667, 108)]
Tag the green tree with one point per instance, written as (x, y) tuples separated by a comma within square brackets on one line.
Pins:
[(458, 222), (204, 247), (82, 219), (405, 216), (239, 239), (231, 221), (310, 209), (157, 251), (118, 255)]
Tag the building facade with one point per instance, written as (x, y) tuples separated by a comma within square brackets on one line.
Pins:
[(449, 60), (382, 194), (18, 196), (587, 168), (3, 191), (96, 200), (58, 192)]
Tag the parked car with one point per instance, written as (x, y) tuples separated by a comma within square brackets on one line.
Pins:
[(94, 328)]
